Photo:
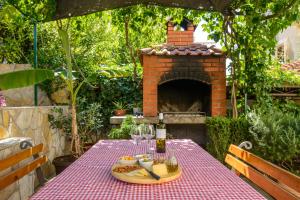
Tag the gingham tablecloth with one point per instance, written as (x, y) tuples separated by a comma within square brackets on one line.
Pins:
[(203, 177)]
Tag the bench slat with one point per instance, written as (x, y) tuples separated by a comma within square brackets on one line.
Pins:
[(19, 173), (22, 155), (260, 180), (266, 167)]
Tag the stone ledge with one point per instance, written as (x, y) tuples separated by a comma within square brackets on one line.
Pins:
[(29, 107), (8, 142), (116, 120)]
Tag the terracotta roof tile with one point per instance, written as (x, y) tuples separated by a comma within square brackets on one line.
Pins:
[(293, 66), (195, 49)]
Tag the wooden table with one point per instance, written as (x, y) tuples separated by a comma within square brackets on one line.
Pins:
[(203, 177)]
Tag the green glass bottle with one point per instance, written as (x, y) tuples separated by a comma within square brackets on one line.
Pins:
[(161, 135)]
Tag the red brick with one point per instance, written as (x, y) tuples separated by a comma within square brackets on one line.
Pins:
[(218, 64), (170, 28), (149, 61), (223, 60), (188, 32), (191, 28), (212, 60), (165, 60), (204, 65)]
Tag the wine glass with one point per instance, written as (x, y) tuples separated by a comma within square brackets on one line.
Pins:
[(136, 134), (148, 134)]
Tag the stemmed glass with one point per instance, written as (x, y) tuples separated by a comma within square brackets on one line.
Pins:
[(147, 131), (136, 134)]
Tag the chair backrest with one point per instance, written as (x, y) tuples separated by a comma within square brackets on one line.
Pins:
[(274, 180), (22, 171)]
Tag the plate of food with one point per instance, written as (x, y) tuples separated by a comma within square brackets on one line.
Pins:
[(145, 171), (127, 160)]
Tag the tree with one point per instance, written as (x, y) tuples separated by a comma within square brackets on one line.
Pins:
[(248, 35), (144, 26), (70, 80)]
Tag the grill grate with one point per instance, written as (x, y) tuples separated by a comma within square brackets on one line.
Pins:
[(185, 114)]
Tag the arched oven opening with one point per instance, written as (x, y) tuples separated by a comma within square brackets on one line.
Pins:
[(184, 96)]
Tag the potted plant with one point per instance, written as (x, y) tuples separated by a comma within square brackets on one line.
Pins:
[(123, 132), (119, 108), (89, 120), (136, 108), (73, 86)]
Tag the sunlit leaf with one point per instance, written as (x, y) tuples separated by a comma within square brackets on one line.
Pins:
[(24, 78)]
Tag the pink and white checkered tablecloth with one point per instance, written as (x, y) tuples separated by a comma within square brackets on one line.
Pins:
[(203, 177)]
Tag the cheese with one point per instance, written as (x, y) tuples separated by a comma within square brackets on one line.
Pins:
[(139, 173), (160, 169)]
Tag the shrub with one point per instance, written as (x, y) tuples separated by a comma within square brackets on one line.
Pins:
[(124, 131), (224, 131), (110, 89), (89, 119), (276, 134)]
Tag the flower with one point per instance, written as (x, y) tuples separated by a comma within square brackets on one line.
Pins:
[(2, 100)]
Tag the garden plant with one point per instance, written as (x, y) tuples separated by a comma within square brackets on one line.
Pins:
[(247, 33)]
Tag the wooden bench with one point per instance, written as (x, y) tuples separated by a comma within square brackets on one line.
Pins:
[(22, 171), (274, 180)]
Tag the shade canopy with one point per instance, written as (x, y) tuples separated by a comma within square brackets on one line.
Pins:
[(71, 8)]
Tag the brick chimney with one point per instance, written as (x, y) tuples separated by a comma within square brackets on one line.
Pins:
[(180, 34)]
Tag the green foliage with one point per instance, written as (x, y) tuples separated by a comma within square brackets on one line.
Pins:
[(124, 131), (37, 10), (16, 27), (273, 128), (24, 78), (276, 133), (119, 105), (15, 36), (89, 120), (248, 36), (281, 77), (59, 119), (224, 131), (108, 89), (146, 26)]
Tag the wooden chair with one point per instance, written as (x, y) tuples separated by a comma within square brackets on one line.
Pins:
[(274, 180), (22, 171)]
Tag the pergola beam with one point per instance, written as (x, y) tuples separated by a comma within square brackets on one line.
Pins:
[(72, 8)]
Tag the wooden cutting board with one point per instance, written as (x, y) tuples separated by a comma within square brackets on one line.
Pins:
[(148, 179)]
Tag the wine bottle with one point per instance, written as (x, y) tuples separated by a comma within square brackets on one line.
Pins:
[(161, 135)]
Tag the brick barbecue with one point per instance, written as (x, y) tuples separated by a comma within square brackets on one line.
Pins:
[(182, 76)]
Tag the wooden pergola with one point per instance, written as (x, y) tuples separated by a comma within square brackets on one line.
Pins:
[(72, 8)]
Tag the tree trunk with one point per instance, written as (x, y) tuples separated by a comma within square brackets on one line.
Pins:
[(234, 100), (233, 93), (75, 136), (130, 48)]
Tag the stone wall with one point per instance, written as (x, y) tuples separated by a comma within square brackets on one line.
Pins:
[(33, 122), (22, 96)]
